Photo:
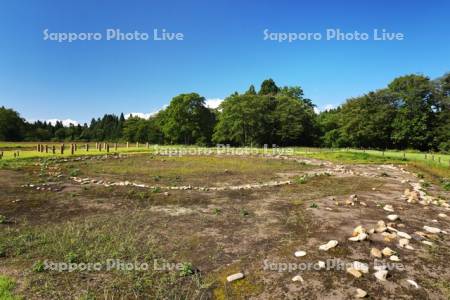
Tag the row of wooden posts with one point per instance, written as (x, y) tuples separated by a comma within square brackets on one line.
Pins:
[(74, 147)]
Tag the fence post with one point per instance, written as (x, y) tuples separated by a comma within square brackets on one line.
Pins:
[(62, 148), (54, 149)]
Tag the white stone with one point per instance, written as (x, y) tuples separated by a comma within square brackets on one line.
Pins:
[(381, 275), (361, 237), (235, 277), (393, 217), (394, 258), (329, 245), (299, 253), (431, 229), (413, 283), (360, 293), (388, 208), (442, 215), (298, 278), (387, 251), (362, 267), (403, 235), (428, 243), (403, 242), (354, 272)]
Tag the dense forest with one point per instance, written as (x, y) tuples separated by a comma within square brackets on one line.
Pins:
[(412, 112)]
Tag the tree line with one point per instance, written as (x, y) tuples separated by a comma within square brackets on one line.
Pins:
[(412, 112)]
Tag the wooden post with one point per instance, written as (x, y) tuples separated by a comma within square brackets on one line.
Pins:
[(147, 145), (62, 149), (53, 149), (137, 144), (72, 149), (107, 148), (46, 148), (100, 147), (87, 147), (128, 145), (115, 147)]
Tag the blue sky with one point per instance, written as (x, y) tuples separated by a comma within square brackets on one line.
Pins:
[(223, 51)]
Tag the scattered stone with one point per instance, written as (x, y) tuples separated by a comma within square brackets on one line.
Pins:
[(329, 245), (381, 226), (428, 243), (358, 230), (388, 208), (381, 275), (394, 258), (389, 235), (393, 217), (387, 251), (354, 272), (375, 253), (361, 237), (432, 229), (403, 235), (299, 253), (360, 293), (403, 242), (361, 267), (413, 283), (234, 277), (298, 278)]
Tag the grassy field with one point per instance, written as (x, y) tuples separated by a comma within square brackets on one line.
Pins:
[(193, 239)]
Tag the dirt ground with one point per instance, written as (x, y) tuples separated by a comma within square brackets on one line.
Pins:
[(216, 217)]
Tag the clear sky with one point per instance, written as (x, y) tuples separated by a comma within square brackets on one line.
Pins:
[(223, 51)]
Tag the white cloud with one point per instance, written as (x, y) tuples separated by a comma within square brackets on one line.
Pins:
[(144, 115), (324, 108), (65, 122), (139, 115), (213, 103), (328, 107)]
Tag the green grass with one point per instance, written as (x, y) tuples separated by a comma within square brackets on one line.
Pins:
[(93, 239), (352, 157), (7, 286)]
